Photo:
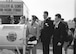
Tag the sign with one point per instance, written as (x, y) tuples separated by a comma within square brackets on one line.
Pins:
[(12, 36), (11, 8)]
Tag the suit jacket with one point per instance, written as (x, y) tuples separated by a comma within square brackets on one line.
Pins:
[(47, 31), (60, 33)]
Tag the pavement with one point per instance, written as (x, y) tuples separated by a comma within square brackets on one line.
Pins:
[(39, 49)]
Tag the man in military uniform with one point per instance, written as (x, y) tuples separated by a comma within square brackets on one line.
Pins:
[(33, 30), (74, 48)]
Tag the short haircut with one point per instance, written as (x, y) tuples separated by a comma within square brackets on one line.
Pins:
[(46, 12), (74, 19), (58, 15)]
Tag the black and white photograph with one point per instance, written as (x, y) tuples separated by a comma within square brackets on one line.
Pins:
[(37, 26)]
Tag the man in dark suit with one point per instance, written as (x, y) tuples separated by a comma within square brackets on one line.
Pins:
[(74, 47), (46, 33), (59, 34)]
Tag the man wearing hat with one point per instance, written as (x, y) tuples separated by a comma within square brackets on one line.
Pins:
[(33, 31)]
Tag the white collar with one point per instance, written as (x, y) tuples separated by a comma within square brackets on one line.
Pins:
[(56, 24)]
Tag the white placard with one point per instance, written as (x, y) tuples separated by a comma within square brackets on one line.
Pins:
[(11, 8)]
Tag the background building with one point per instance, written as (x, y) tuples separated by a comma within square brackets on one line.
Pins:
[(12, 8)]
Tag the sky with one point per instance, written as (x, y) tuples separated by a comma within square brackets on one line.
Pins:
[(65, 7), (36, 7)]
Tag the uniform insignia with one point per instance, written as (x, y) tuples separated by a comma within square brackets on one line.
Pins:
[(12, 36)]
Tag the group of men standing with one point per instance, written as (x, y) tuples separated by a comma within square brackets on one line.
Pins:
[(48, 29), (55, 28)]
